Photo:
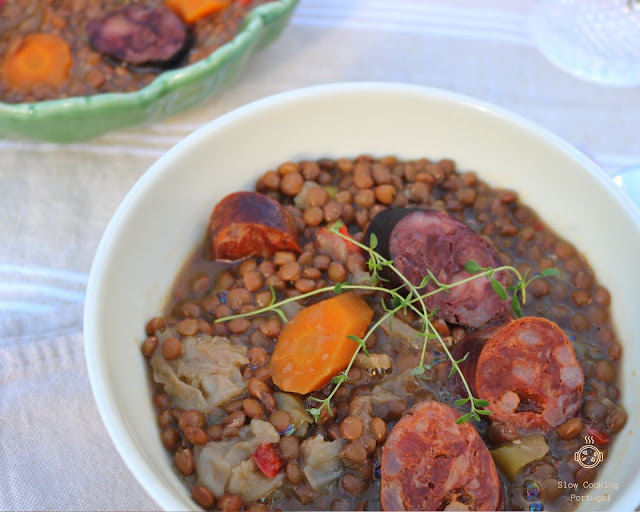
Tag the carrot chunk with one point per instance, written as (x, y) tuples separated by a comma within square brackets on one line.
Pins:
[(314, 347), (192, 10), (39, 59)]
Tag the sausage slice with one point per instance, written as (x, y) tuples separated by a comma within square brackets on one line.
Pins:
[(417, 240), (247, 224), (139, 34), (527, 370), (431, 463)]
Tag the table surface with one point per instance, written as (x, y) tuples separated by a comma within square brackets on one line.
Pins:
[(55, 453)]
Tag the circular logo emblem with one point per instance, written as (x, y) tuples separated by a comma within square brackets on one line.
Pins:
[(589, 456)]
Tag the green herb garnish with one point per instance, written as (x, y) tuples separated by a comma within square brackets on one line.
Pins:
[(413, 301)]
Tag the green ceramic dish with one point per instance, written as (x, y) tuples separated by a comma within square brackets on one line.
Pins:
[(78, 118)]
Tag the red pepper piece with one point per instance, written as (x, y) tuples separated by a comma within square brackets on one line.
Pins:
[(267, 459), (598, 435)]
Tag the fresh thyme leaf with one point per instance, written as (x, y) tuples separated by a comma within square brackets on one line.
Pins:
[(472, 267), (315, 412), (464, 418), (338, 288), (335, 227), (480, 403), (461, 401), (339, 379), (373, 241), (274, 295), (499, 289), (360, 342), (281, 314), (484, 412), (418, 370), (548, 272), (515, 306), (424, 282)]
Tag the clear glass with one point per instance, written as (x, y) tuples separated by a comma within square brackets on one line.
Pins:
[(595, 40)]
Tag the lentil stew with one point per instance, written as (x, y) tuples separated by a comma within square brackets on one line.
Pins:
[(246, 433), (66, 48)]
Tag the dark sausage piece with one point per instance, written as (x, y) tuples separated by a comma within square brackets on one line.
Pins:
[(139, 34), (247, 224), (430, 463), (417, 240), (527, 370)]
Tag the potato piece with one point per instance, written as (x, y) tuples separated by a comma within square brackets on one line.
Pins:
[(512, 457)]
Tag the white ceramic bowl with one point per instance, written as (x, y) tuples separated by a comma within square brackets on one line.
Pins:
[(165, 214)]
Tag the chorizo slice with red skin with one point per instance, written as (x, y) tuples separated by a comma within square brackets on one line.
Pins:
[(417, 240), (527, 370), (431, 463), (140, 34), (246, 224)]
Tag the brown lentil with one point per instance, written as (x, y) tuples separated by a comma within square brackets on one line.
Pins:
[(239, 296), (171, 348), (149, 346), (196, 435), (291, 183), (570, 429), (192, 418), (379, 429), (165, 420), (229, 503), (351, 428), (253, 280), (185, 461), (289, 448), (336, 272), (153, 325), (238, 325), (279, 419), (252, 408), (289, 271), (353, 484), (202, 496), (294, 472)]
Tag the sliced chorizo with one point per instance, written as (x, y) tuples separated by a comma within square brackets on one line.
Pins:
[(431, 463), (140, 34), (527, 370), (417, 240), (247, 224)]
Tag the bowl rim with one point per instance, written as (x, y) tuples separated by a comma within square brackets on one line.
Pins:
[(162, 84), (104, 397)]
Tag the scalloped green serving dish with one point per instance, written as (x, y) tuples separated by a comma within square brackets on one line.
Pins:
[(85, 117)]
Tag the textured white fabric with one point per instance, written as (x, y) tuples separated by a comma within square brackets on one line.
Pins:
[(57, 200)]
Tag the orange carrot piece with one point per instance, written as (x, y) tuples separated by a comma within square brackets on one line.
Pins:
[(192, 10), (40, 58), (313, 346)]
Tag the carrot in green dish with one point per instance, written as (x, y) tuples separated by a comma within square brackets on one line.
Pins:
[(39, 58), (192, 10), (315, 345)]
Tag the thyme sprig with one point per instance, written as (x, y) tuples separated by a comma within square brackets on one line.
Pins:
[(403, 302)]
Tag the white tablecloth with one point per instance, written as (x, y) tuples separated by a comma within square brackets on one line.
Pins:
[(57, 199)]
